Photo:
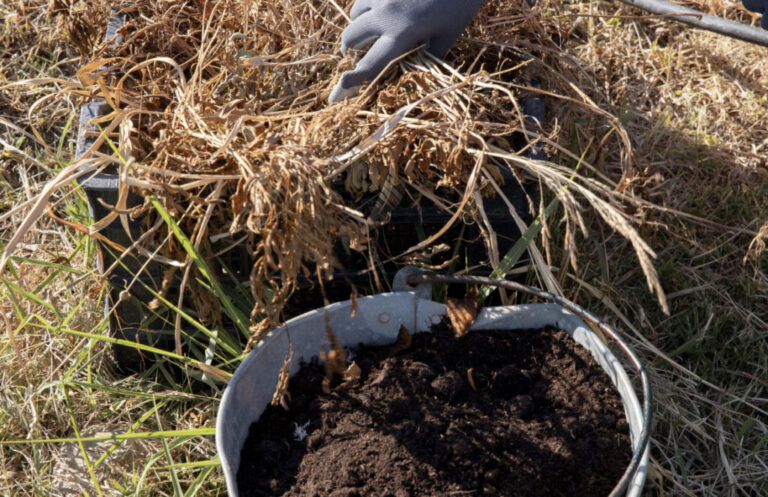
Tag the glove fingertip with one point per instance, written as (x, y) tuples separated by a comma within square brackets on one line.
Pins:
[(439, 47), (341, 92), (754, 5)]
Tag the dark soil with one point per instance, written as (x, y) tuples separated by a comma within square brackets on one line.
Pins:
[(538, 418)]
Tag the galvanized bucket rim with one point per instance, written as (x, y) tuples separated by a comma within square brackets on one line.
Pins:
[(379, 317)]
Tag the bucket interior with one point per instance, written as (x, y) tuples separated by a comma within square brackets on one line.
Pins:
[(377, 322)]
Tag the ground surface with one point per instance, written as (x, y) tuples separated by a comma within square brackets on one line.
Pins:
[(694, 106), (545, 420)]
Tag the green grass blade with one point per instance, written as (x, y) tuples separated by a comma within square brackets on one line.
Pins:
[(519, 248), (243, 289), (205, 431), (126, 343), (240, 319), (225, 341), (123, 392), (201, 478), (51, 265), (174, 477), (152, 460), (39, 288), (213, 463), (144, 417), (86, 459), (10, 266), (65, 321), (64, 133), (30, 296)]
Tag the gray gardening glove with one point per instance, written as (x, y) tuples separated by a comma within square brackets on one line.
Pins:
[(760, 6), (399, 26)]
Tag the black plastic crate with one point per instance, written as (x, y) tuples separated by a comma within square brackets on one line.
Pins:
[(130, 317)]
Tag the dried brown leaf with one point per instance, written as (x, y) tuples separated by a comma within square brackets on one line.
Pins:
[(168, 274), (471, 380), (335, 359), (462, 312), (215, 373), (282, 396), (353, 303), (402, 342), (353, 372), (350, 377), (240, 198)]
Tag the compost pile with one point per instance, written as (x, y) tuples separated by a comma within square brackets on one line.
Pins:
[(491, 413), (220, 112)]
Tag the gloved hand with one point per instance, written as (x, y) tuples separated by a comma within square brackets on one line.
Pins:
[(399, 26), (760, 6)]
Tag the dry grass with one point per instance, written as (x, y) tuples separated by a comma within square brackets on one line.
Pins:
[(667, 127), (198, 103)]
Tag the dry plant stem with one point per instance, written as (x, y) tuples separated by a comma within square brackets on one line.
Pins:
[(201, 231), (69, 173), (12, 337), (487, 231), (465, 198), (611, 214)]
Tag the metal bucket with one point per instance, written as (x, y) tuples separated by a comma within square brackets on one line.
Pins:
[(377, 322)]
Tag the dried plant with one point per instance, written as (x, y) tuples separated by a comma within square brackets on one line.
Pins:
[(462, 312), (282, 396), (232, 96)]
